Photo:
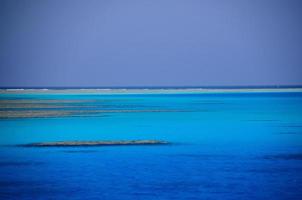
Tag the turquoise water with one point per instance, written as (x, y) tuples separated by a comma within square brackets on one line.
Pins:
[(224, 146)]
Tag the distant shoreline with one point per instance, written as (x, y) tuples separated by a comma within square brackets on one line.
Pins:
[(146, 90), (158, 87)]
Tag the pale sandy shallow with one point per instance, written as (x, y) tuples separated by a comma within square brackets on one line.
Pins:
[(145, 91), (41, 108)]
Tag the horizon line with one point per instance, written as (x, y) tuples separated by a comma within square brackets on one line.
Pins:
[(157, 87)]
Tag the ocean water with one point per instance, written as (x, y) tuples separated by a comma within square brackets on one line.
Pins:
[(223, 146)]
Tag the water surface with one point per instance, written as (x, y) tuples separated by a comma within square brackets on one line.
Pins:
[(225, 146)]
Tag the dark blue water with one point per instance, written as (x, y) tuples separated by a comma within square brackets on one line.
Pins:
[(224, 146)]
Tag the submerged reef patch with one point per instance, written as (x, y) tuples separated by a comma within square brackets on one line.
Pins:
[(94, 143)]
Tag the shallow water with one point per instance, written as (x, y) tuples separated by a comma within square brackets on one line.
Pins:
[(224, 146)]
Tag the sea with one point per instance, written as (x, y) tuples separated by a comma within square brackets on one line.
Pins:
[(223, 144)]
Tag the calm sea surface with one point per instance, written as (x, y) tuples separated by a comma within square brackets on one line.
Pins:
[(224, 146)]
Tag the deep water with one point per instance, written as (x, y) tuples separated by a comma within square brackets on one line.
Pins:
[(224, 146)]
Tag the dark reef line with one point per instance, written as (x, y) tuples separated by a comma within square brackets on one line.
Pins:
[(95, 143)]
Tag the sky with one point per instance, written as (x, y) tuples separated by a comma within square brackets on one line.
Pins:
[(106, 43)]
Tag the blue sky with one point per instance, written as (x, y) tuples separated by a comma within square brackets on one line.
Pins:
[(51, 43)]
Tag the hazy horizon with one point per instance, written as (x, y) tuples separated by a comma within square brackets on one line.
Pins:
[(155, 87)]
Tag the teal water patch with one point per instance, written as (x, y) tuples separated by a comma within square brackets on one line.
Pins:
[(225, 146)]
